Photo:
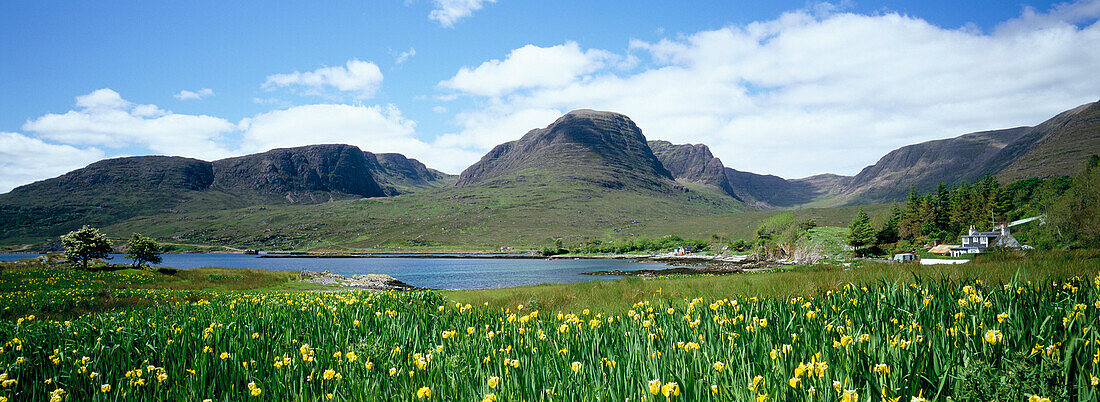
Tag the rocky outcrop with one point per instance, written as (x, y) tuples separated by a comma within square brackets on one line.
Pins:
[(693, 164), (329, 168), (398, 174), (356, 282)]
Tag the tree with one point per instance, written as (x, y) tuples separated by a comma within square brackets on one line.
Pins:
[(142, 249), (1076, 214), (889, 231), (84, 244), (860, 232)]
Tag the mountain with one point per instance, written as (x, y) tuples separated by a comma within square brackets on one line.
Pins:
[(1056, 147), (693, 164), (400, 175), (601, 148), (965, 158), (303, 174), (771, 192), (586, 176), (114, 190), (104, 192)]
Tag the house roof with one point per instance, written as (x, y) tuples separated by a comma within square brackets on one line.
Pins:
[(942, 249), (983, 234)]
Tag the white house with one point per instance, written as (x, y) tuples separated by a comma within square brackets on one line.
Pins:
[(977, 242)]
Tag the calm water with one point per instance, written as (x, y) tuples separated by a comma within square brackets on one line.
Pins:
[(437, 273)]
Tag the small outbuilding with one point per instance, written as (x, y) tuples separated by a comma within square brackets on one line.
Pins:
[(905, 257)]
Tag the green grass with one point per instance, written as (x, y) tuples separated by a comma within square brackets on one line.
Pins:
[(1000, 329), (796, 281), (62, 292)]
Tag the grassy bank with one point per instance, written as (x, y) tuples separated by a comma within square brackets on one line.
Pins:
[(61, 292), (797, 281)]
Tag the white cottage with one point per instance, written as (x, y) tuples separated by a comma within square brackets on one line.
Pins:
[(977, 242)]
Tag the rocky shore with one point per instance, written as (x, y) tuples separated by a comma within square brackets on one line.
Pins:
[(356, 282)]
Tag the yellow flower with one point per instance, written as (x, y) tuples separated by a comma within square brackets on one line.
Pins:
[(489, 398), (1037, 398), (224, 355), (654, 387), (882, 369), (1094, 380), (993, 336), (670, 389), (105, 388), (493, 381), (714, 389), (423, 392), (351, 357), (393, 370), (576, 366), (255, 335), (849, 395), (756, 382), (329, 396), (1002, 317), (719, 366), (794, 382), (329, 374)]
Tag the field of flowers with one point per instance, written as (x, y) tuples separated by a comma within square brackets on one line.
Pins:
[(926, 340)]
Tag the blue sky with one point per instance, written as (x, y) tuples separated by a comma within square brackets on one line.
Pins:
[(787, 88)]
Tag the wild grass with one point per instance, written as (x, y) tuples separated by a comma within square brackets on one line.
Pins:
[(796, 281), (1000, 329)]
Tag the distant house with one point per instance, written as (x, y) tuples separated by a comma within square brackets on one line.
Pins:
[(976, 242), (682, 250), (943, 249), (905, 257)]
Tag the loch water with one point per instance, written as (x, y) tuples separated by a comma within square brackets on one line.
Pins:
[(435, 273)]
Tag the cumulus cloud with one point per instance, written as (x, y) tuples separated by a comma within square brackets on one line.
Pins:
[(404, 56), (448, 12), (24, 159), (811, 91), (194, 95), (360, 78), (381, 128), (104, 124), (104, 118), (529, 67)]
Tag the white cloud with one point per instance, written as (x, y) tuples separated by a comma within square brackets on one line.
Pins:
[(808, 92), (439, 109), (1059, 15), (371, 128), (448, 12), (529, 67), (404, 56), (362, 78), (103, 118), (24, 159), (194, 95)]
